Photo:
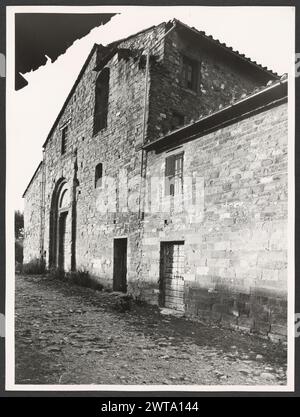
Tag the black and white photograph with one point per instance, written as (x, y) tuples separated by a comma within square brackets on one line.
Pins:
[(150, 216)]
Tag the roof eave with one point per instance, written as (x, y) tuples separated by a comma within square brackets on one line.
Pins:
[(32, 178), (269, 96), (70, 93), (229, 50)]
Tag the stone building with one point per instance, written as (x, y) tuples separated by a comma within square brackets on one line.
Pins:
[(165, 175)]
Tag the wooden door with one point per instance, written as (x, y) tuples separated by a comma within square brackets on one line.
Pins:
[(120, 265)]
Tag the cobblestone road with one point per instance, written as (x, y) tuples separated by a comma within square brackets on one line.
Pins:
[(66, 334)]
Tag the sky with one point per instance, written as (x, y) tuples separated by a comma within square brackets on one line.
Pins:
[(33, 109)]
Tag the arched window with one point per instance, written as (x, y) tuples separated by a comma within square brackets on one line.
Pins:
[(98, 175), (101, 101), (64, 200)]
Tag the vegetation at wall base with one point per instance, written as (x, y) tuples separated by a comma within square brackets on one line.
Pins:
[(34, 267)]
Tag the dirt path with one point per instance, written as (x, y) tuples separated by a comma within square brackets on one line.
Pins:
[(72, 335)]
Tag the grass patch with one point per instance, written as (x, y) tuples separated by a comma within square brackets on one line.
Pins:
[(57, 273), (123, 303), (34, 267), (81, 278)]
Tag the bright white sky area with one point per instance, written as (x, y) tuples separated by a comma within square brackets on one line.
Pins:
[(265, 34)]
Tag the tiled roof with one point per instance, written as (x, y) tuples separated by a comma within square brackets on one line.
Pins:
[(228, 48), (245, 96), (209, 38), (113, 47), (274, 92)]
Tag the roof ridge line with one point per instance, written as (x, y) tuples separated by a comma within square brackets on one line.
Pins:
[(229, 48), (134, 34)]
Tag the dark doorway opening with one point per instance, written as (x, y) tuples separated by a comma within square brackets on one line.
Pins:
[(120, 265), (62, 240), (59, 232), (172, 275)]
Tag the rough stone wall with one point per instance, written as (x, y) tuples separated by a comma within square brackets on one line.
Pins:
[(245, 186), (32, 218), (116, 147), (236, 237), (220, 82)]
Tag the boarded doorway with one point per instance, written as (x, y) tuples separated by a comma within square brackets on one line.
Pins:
[(120, 265), (171, 275)]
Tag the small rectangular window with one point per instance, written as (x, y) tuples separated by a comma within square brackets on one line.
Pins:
[(190, 73), (174, 174), (98, 176), (64, 140)]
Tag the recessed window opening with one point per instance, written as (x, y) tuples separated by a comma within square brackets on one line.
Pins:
[(98, 175), (101, 101)]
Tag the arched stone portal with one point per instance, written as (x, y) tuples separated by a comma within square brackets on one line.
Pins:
[(60, 227)]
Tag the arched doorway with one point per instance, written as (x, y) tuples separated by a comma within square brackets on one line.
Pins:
[(60, 227)]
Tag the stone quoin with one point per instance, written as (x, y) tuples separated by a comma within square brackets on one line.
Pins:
[(165, 176)]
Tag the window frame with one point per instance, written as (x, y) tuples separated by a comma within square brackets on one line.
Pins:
[(173, 175), (195, 67)]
